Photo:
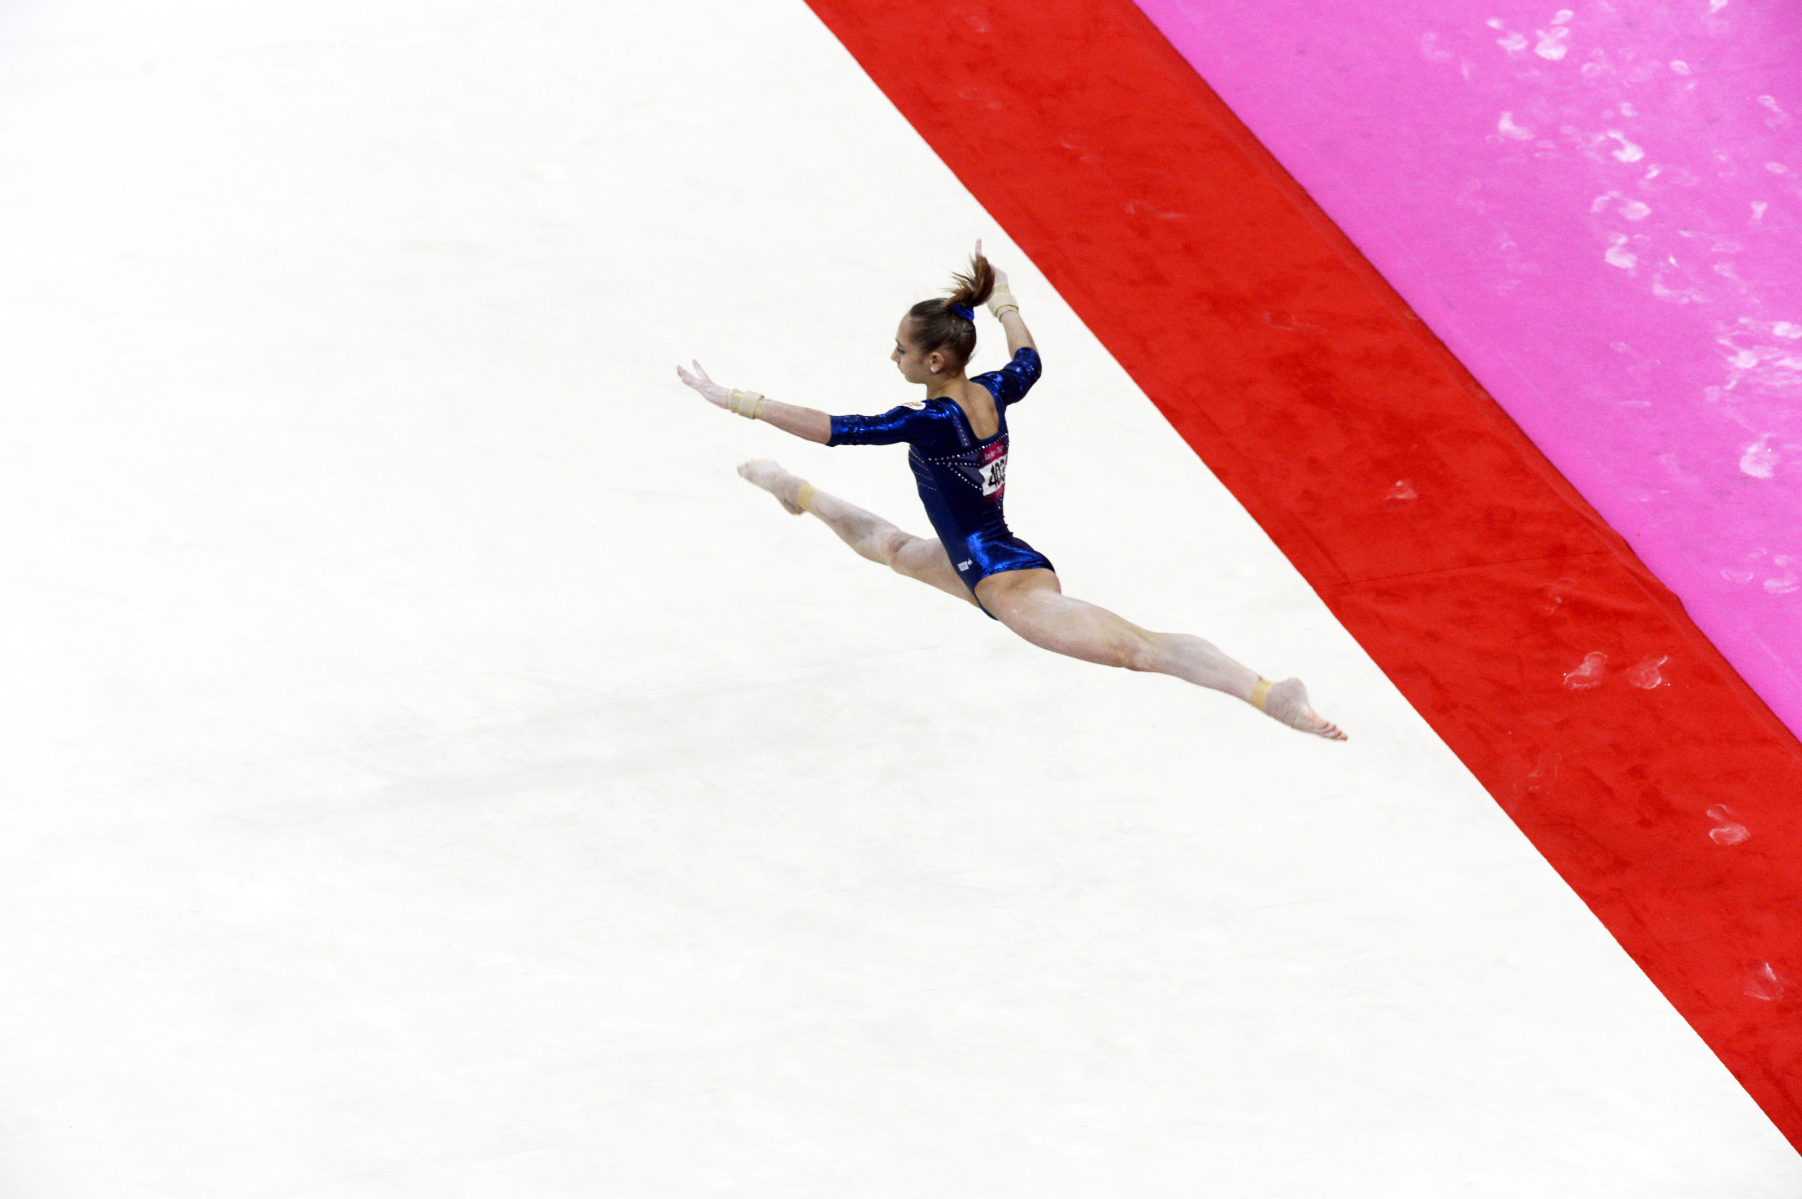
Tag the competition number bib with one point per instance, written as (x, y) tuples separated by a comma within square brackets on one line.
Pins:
[(993, 469)]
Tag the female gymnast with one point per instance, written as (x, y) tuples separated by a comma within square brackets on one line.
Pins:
[(958, 440)]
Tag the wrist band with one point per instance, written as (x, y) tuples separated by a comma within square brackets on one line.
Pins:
[(747, 404), (1260, 693), (1001, 299), (804, 497)]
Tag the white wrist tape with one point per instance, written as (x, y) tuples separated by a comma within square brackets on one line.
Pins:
[(1000, 300), (746, 403)]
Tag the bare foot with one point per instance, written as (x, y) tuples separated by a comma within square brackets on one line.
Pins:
[(1288, 702), (770, 476)]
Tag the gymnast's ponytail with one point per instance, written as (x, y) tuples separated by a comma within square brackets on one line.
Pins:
[(949, 324)]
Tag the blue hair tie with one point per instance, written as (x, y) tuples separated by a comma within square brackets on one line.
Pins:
[(968, 314)]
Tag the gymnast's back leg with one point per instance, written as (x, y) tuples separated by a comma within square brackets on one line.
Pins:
[(921, 558), (1032, 604)]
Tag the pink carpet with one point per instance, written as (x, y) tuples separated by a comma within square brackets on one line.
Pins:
[(1599, 210)]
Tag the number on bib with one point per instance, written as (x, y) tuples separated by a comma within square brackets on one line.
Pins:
[(994, 474)]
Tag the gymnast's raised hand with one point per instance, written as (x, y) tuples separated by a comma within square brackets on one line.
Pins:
[(710, 391), (959, 451)]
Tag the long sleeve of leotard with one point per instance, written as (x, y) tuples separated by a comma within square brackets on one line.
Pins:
[(1011, 383), (909, 423)]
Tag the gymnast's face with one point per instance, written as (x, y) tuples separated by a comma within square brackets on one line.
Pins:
[(915, 366)]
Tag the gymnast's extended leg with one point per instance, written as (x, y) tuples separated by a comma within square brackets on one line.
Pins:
[(921, 558), (1032, 604)]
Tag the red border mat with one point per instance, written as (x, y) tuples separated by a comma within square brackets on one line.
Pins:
[(1465, 565)]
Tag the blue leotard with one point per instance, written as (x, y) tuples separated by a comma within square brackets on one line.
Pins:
[(961, 477)]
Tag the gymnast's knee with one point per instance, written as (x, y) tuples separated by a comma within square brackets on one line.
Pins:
[(889, 546), (1137, 650)]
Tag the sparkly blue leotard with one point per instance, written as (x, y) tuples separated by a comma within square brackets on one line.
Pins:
[(961, 477)]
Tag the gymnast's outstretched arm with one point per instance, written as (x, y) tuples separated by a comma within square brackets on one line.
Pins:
[(809, 424)]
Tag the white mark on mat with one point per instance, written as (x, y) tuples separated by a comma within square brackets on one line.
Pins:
[(1764, 983), (1544, 772), (1633, 210), (1645, 674), (1628, 151), (1591, 144), (1290, 323), (1429, 48), (1763, 369), (1776, 168), (1679, 66), (1758, 207), (1556, 593), (1778, 117), (1787, 329), (1507, 128), (1786, 582), (1759, 459), (1687, 295), (1551, 43), (1727, 830), (1619, 255), (1589, 674), (1403, 491)]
